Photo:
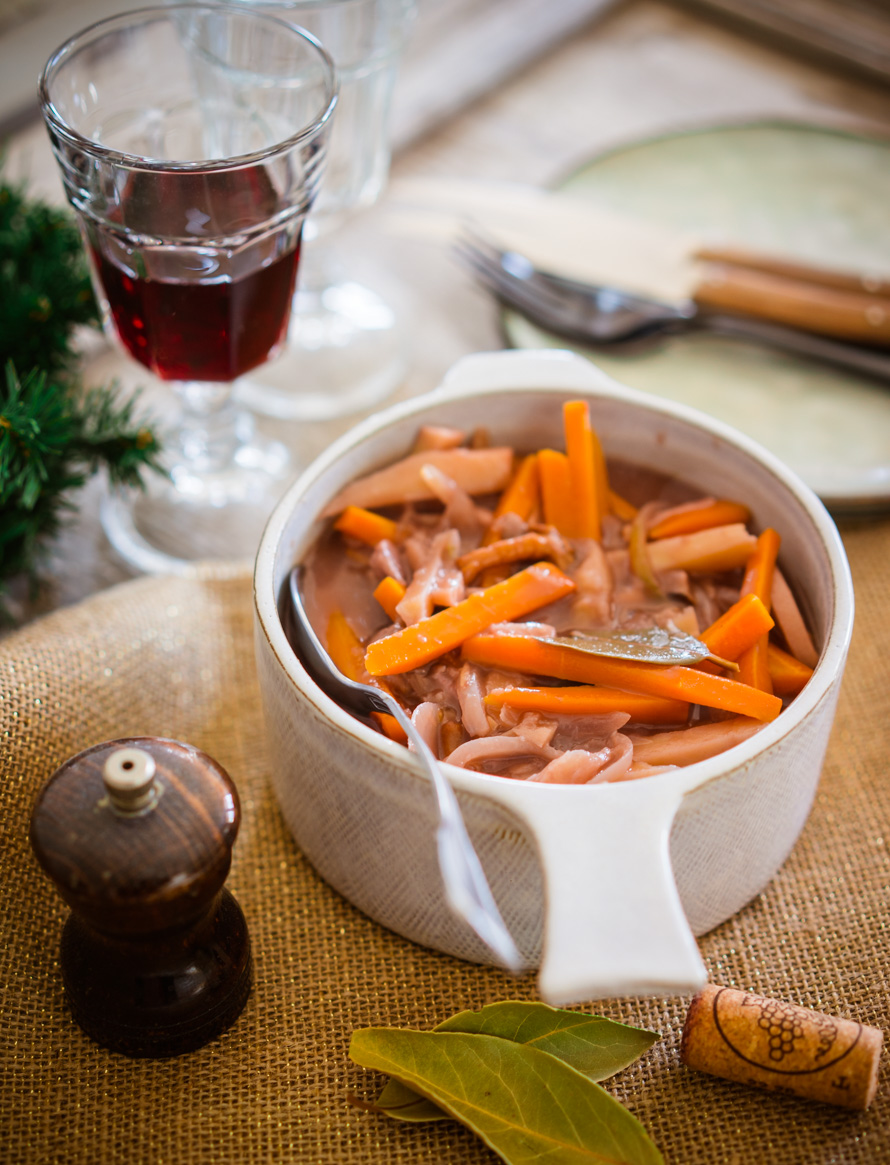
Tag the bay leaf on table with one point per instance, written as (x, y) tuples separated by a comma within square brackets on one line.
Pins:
[(591, 1044), (524, 1103)]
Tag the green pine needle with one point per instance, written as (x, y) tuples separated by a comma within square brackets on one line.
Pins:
[(54, 432), (44, 282), (53, 436)]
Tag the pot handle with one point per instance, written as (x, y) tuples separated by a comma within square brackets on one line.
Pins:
[(614, 924), (529, 368)]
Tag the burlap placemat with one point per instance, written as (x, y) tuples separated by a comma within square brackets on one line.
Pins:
[(175, 658)]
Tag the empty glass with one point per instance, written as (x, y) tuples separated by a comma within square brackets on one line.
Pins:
[(345, 347), (191, 140)]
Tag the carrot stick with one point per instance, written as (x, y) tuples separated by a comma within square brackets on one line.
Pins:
[(754, 667), (365, 525), (390, 727), (389, 592), (791, 624), (721, 548), (344, 647), (523, 546), (429, 638), (451, 736), (478, 471), (688, 745), (600, 473), (521, 497), (789, 675), (758, 580), (522, 494), (621, 507), (740, 626), (585, 700), (761, 566), (700, 515), (540, 657), (556, 490), (585, 514)]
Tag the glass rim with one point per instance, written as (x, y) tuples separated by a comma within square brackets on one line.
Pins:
[(137, 162)]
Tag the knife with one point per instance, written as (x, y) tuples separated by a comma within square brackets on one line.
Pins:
[(562, 233), (810, 303)]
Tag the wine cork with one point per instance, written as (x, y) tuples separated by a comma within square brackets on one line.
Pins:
[(780, 1046)]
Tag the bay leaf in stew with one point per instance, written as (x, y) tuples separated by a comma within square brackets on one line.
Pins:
[(649, 645)]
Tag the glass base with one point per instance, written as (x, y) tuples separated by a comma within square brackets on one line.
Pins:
[(195, 516), (343, 354)]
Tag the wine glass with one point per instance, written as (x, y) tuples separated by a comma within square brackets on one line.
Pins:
[(345, 347), (191, 140)]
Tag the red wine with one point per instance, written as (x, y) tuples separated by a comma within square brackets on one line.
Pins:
[(185, 329)]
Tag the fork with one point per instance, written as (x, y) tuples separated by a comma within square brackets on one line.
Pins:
[(608, 318), (466, 888)]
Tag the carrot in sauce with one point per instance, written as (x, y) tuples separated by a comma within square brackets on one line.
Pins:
[(421, 642), (698, 515), (758, 580), (789, 676), (365, 526), (344, 647), (522, 495), (738, 628), (584, 517), (556, 489), (389, 592), (586, 700), (541, 657)]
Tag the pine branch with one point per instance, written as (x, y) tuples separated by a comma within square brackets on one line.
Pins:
[(53, 437), (44, 283), (54, 433)]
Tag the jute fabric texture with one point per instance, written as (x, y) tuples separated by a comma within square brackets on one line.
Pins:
[(174, 658)]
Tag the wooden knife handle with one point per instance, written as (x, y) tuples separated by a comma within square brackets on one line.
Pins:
[(828, 311), (861, 282)]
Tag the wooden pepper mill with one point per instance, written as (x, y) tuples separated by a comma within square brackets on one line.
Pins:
[(137, 835)]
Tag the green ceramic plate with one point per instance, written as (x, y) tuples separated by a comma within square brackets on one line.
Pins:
[(817, 194)]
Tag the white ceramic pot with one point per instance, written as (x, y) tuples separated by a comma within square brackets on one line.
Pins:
[(602, 886)]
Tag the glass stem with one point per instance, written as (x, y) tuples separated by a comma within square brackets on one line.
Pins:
[(211, 427)]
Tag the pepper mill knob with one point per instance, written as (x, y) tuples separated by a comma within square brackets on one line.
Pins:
[(129, 778), (137, 836)]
